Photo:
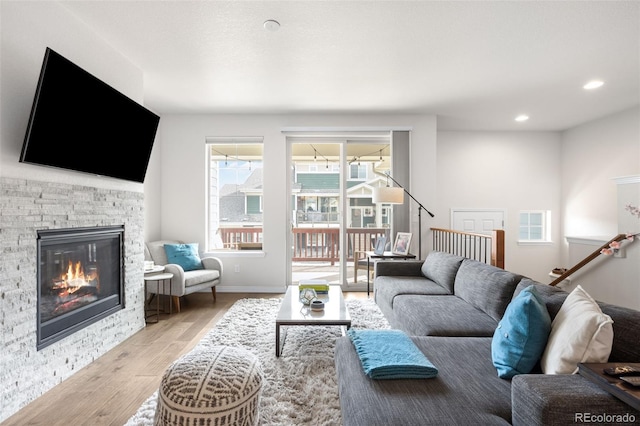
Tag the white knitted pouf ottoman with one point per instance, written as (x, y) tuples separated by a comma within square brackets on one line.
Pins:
[(211, 387)]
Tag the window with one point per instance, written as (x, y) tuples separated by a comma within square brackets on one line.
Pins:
[(357, 172), (235, 188), (534, 226)]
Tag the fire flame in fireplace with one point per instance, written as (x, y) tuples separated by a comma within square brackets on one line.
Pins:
[(75, 278), (75, 288)]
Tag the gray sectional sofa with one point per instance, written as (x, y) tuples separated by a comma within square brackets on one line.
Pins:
[(451, 306)]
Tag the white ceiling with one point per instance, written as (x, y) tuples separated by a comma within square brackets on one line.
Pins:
[(474, 64)]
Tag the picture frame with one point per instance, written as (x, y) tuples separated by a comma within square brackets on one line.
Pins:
[(402, 243), (381, 242)]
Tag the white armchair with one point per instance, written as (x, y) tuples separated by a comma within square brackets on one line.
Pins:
[(184, 282)]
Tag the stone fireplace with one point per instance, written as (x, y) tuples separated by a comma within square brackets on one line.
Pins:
[(31, 212), (80, 279)]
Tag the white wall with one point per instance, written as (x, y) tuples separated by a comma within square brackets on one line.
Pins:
[(153, 191), (504, 170), (570, 173), (592, 156), (183, 165)]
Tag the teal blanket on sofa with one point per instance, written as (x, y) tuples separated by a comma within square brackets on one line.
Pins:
[(390, 354)]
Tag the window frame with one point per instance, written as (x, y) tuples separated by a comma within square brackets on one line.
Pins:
[(362, 172), (545, 227), (211, 227)]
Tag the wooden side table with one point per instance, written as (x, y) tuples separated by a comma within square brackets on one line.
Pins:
[(616, 387), (386, 255), (158, 279), (358, 256)]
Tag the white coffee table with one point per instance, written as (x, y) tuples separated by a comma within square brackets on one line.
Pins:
[(295, 313)]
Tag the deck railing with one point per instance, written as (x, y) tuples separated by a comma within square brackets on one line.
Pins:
[(481, 247), (316, 218), (310, 244), (232, 238), (323, 244)]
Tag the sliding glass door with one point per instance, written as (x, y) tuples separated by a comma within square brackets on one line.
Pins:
[(316, 186), (333, 221)]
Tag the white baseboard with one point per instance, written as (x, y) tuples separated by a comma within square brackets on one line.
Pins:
[(251, 289), (275, 289)]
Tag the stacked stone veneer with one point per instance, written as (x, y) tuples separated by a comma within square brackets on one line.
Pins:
[(25, 207)]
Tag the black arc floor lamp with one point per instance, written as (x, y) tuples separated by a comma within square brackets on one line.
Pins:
[(395, 195)]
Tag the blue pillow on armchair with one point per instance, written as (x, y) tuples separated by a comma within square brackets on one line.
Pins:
[(185, 255), (521, 335)]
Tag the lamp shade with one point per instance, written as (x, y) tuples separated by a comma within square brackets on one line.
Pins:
[(388, 195)]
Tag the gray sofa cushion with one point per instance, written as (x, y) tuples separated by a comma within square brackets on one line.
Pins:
[(485, 287), (441, 268), (398, 268), (387, 288), (553, 297), (556, 399), (625, 321), (626, 333), (440, 316), (467, 390)]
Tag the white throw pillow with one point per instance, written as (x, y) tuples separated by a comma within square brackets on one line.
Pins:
[(579, 333)]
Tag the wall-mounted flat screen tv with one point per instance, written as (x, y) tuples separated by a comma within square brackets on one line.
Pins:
[(79, 122)]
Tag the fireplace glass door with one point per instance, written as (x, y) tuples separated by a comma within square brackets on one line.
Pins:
[(80, 279)]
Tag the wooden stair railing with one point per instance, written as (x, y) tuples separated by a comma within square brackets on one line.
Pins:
[(481, 247), (587, 259)]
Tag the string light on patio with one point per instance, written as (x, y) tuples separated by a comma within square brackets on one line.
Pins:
[(359, 159)]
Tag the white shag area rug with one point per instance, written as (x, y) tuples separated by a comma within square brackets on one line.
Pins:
[(300, 387)]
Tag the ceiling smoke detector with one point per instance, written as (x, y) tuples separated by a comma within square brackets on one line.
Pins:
[(271, 25)]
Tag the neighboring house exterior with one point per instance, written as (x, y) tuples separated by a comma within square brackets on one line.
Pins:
[(315, 202), (315, 199), (241, 205)]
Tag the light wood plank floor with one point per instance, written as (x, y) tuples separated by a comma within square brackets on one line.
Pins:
[(111, 389)]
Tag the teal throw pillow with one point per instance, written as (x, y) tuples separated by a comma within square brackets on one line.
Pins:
[(185, 255), (521, 336)]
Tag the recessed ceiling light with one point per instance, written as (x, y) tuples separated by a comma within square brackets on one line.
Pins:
[(522, 117), (593, 84), (271, 25)]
